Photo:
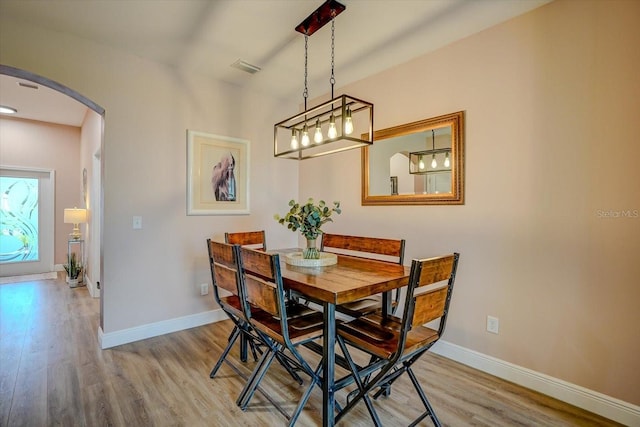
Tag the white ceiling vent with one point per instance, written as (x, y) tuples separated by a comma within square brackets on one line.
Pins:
[(245, 66)]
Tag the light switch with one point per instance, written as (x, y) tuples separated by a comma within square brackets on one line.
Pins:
[(137, 222)]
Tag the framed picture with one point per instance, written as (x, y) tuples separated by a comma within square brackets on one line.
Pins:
[(217, 175)]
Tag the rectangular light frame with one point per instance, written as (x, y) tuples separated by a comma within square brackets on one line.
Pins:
[(362, 118), (414, 160)]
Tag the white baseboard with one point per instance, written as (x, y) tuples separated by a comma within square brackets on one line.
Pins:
[(27, 278), (92, 288), (598, 403), (125, 336)]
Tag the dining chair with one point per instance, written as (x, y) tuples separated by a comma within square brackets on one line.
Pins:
[(225, 276), (387, 250), (394, 343), (285, 323), (252, 239)]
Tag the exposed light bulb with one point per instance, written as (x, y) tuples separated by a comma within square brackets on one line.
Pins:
[(421, 163), (434, 163), (447, 162), (305, 136), (294, 139), (348, 122), (333, 132), (317, 137)]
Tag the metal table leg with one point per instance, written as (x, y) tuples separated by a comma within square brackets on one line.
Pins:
[(328, 364), (386, 303)]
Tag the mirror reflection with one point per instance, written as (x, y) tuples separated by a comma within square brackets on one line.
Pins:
[(416, 163)]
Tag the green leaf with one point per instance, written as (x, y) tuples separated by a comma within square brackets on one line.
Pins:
[(308, 218)]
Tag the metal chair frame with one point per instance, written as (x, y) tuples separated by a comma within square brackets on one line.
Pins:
[(262, 271), (390, 368), (225, 267)]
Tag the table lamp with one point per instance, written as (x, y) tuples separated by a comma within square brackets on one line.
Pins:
[(76, 217)]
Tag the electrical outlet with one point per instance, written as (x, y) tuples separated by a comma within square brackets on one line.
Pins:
[(204, 289), (493, 324)]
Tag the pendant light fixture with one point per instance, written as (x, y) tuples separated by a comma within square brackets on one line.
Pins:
[(337, 125), (417, 158)]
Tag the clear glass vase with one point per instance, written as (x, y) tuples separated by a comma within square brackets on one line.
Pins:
[(311, 251)]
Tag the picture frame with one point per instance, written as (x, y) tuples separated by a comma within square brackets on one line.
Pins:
[(217, 174)]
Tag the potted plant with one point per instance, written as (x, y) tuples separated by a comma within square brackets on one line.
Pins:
[(73, 269), (308, 218)]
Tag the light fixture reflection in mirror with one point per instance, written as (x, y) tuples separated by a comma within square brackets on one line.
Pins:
[(434, 151), (439, 155)]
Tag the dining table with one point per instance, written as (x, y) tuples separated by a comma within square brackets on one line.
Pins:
[(350, 279)]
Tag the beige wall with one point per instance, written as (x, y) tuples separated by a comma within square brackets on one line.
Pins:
[(153, 274), (28, 143), (551, 101)]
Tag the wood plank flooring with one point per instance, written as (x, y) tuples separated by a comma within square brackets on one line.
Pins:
[(52, 372)]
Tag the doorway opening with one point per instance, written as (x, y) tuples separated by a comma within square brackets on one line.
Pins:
[(95, 188)]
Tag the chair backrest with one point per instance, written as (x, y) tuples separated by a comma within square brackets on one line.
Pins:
[(261, 277), (262, 286), (383, 249), (421, 308), (224, 268), (252, 239)]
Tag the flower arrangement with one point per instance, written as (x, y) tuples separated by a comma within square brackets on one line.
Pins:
[(309, 219)]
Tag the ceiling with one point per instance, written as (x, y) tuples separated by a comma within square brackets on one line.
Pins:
[(207, 36)]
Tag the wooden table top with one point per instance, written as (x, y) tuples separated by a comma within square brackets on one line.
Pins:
[(351, 279)]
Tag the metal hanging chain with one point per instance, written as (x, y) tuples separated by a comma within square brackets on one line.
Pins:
[(305, 94), (332, 80)]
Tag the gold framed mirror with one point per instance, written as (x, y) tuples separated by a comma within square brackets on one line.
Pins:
[(418, 163)]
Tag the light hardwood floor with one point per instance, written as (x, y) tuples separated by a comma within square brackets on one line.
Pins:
[(52, 372)]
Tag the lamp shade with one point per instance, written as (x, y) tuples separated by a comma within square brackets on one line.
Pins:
[(75, 216)]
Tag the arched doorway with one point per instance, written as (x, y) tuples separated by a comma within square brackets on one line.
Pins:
[(93, 194)]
